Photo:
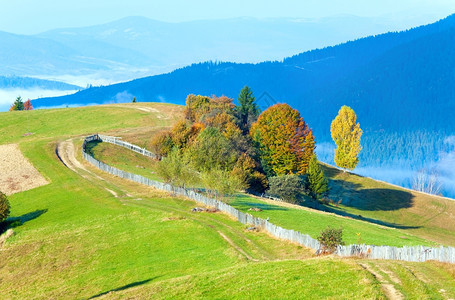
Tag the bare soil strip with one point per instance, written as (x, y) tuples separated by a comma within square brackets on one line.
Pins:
[(387, 287), (66, 153), (17, 174)]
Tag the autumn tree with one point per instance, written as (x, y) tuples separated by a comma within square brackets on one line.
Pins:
[(247, 112), (162, 144), (4, 207), (17, 105), (346, 134), (248, 170), (285, 142), (317, 183), (28, 105), (199, 106)]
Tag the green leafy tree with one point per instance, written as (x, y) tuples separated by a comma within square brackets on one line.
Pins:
[(222, 183), (346, 134), (134, 100), (286, 187), (317, 183), (175, 169), (285, 142), (247, 112), (212, 150), (17, 105), (4, 207)]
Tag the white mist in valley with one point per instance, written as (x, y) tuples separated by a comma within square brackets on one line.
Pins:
[(443, 168), (7, 96)]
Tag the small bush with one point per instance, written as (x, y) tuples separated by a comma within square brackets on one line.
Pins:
[(4, 207), (330, 239), (286, 187)]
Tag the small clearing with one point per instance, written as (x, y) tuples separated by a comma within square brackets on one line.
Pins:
[(17, 174)]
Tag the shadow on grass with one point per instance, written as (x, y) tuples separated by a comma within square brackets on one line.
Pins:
[(262, 206), (354, 195), (133, 284), (13, 222), (370, 220), (89, 147), (377, 199), (244, 202)]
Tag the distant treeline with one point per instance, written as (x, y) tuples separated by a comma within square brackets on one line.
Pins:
[(10, 82)]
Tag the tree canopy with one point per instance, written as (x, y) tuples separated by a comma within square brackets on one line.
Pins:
[(285, 142), (346, 134)]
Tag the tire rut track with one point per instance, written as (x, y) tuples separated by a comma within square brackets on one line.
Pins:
[(388, 288)]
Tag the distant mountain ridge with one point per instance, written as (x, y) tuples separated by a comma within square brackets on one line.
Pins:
[(349, 73), (136, 46)]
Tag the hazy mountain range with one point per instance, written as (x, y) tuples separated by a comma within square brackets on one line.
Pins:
[(136, 46), (400, 85)]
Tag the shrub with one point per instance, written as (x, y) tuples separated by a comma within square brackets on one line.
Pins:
[(286, 187), (330, 239), (4, 207)]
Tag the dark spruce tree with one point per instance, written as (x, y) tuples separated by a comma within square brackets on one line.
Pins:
[(247, 112), (17, 105), (317, 183)]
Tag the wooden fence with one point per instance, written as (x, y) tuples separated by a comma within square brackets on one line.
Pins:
[(415, 254)]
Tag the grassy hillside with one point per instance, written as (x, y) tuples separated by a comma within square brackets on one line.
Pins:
[(383, 214), (88, 234)]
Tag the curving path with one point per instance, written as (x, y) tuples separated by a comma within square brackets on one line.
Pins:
[(66, 153)]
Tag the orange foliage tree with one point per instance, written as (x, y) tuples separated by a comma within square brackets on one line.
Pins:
[(285, 142), (28, 105)]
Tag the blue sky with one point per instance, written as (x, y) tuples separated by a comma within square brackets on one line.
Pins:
[(32, 16)]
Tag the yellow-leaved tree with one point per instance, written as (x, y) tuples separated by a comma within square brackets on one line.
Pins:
[(346, 134)]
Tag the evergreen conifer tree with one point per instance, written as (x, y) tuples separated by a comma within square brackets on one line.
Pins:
[(316, 181), (17, 105), (247, 111)]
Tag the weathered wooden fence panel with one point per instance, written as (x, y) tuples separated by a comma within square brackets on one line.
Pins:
[(415, 254)]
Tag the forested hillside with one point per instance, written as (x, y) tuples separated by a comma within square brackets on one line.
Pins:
[(399, 84), (9, 82)]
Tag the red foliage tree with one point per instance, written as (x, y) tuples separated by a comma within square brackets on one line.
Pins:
[(28, 105)]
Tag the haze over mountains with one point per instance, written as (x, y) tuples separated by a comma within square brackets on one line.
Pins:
[(136, 46), (400, 85)]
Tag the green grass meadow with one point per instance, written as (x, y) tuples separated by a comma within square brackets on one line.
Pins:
[(92, 235)]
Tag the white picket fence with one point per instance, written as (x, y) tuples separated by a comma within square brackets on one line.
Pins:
[(415, 254)]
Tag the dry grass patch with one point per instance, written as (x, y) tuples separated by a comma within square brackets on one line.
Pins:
[(17, 174)]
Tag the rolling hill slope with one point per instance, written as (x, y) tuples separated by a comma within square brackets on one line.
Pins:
[(87, 234)]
